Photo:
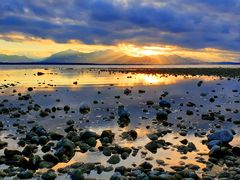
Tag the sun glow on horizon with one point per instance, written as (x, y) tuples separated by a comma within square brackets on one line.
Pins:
[(137, 51), (39, 48)]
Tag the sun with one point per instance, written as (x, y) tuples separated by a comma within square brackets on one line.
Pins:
[(135, 51)]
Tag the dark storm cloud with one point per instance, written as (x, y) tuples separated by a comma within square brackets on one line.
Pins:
[(187, 23)]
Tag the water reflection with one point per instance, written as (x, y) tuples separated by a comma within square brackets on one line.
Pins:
[(64, 77)]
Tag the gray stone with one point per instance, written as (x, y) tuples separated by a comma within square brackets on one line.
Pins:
[(225, 136), (114, 159)]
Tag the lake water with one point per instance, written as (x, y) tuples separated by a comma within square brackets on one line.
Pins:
[(103, 91)]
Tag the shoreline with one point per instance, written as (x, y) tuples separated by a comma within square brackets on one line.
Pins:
[(222, 72)]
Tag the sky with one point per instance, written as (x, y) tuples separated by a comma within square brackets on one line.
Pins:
[(200, 29)]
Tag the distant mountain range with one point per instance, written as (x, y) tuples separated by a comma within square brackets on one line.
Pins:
[(113, 57), (101, 57), (14, 59)]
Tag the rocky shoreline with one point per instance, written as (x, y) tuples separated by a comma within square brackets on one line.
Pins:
[(222, 72), (40, 150)]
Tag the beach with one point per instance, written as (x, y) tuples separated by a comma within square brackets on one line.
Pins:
[(119, 123)]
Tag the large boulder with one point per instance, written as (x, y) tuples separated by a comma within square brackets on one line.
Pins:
[(224, 136)]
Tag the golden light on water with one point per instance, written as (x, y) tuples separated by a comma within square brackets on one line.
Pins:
[(58, 78)]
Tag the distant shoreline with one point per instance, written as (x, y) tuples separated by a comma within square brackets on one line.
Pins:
[(99, 64), (221, 71), (193, 70)]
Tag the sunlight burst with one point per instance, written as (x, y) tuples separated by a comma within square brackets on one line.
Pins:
[(135, 51)]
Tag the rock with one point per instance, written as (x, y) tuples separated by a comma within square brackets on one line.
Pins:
[(199, 83), (121, 169), (66, 108), (129, 135), (209, 117), (236, 122), (191, 147), (3, 173), (150, 103), (107, 134), (162, 115), (225, 136), (46, 148), (84, 109), (40, 73), (34, 161), (190, 104), (49, 175), (51, 158), (164, 104), (215, 151), (73, 136), (46, 164), (152, 146), (64, 148), (166, 177), (25, 174), (140, 91), (43, 140), (86, 134), (55, 136), (127, 91), (189, 112), (108, 169), (30, 89), (116, 176), (35, 140), (10, 153), (107, 151), (23, 162), (123, 121), (211, 99), (43, 114), (29, 149), (152, 137), (184, 141), (77, 175), (124, 155), (236, 151), (146, 166), (122, 112), (3, 144), (69, 128), (114, 159), (1, 125), (212, 143), (39, 130), (21, 142), (70, 122), (84, 147), (91, 141)]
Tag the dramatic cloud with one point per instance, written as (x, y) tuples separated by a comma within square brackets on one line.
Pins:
[(186, 23)]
